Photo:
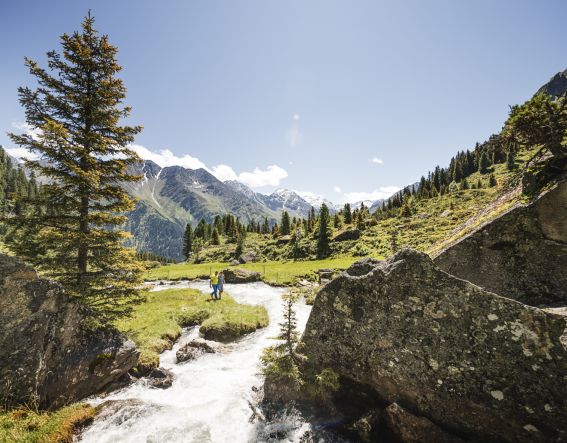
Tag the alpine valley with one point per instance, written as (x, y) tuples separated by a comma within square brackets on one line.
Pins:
[(168, 198)]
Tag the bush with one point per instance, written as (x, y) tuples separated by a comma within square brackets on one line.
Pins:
[(326, 382)]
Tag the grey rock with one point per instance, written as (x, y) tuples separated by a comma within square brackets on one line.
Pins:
[(521, 255), (350, 234), (467, 359), (325, 275), (197, 347), (46, 354), (362, 267), (366, 427), (405, 427), (160, 378), (239, 275), (249, 257), (284, 239)]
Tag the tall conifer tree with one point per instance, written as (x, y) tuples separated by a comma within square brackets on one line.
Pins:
[(324, 237), (82, 150), (347, 214)]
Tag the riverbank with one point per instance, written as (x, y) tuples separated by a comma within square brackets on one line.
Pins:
[(209, 398), (154, 326), (274, 273), (157, 323), (25, 425)]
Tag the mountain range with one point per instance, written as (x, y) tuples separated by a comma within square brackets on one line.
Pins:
[(170, 197)]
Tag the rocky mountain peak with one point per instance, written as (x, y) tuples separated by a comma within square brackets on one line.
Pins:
[(555, 87)]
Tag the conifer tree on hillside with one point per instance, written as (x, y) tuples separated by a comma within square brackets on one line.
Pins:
[(324, 237), (394, 241), (541, 122), (265, 226), (360, 220), (510, 161), (188, 241), (197, 248), (295, 247), (83, 151), (311, 218), (492, 181), (405, 210), (347, 214), (275, 231), (285, 228), (337, 221), (483, 163), (201, 230), (239, 246), (215, 237)]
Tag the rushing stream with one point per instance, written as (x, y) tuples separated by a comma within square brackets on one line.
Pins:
[(209, 398)]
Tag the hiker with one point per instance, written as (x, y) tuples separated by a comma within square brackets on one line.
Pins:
[(214, 283), (221, 284)]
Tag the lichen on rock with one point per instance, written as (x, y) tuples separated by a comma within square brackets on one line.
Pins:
[(522, 254), (467, 359), (47, 357)]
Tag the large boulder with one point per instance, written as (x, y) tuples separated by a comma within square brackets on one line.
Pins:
[(239, 275), (349, 234), (405, 427), (473, 362), (248, 257), (197, 347), (521, 255), (160, 378), (46, 354)]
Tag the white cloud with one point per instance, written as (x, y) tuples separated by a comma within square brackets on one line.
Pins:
[(380, 193), (337, 189), (224, 173), (167, 158), (271, 176), (294, 135), (34, 132), (377, 160), (258, 178), (22, 153)]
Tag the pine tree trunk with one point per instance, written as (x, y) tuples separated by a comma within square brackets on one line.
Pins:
[(83, 229)]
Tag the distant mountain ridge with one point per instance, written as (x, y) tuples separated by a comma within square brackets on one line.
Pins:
[(170, 197)]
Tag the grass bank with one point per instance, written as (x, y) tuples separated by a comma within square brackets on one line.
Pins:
[(157, 322), (273, 272), (27, 426)]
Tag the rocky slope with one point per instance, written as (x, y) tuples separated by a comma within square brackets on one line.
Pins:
[(556, 86), (47, 357), (521, 255), (484, 367)]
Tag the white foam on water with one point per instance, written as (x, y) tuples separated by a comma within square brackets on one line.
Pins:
[(208, 401)]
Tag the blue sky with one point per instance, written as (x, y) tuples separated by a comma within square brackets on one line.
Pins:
[(304, 94)]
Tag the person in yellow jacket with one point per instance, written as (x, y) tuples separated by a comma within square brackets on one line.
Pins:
[(214, 283)]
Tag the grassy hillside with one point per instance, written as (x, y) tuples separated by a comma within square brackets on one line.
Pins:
[(434, 222), (273, 272)]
